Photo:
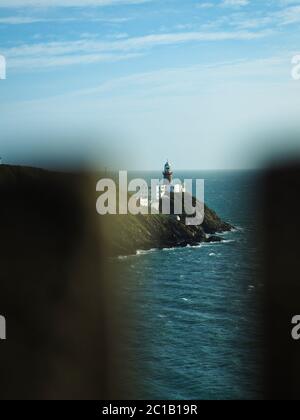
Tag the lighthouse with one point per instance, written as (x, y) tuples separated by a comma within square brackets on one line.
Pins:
[(167, 173), (168, 185)]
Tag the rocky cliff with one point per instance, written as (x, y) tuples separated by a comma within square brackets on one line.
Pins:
[(132, 233), (124, 234)]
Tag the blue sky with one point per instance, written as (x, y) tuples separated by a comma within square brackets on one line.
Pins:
[(205, 83)]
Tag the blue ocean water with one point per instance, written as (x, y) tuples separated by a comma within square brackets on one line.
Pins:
[(196, 310)]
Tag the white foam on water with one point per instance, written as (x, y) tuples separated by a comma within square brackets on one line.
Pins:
[(209, 244), (145, 252), (238, 229), (226, 233)]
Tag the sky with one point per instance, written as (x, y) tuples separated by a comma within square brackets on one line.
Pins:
[(206, 84)]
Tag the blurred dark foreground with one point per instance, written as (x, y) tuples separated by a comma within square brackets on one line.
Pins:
[(281, 221), (55, 290)]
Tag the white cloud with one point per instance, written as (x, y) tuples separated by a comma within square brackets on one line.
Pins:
[(27, 20), (289, 2), (66, 3), (195, 79), (19, 20), (205, 5), (235, 3), (61, 52), (289, 15), (68, 60)]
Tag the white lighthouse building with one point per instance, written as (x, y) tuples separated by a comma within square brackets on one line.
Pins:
[(169, 185), (162, 190)]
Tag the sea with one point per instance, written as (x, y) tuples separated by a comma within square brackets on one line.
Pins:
[(195, 311)]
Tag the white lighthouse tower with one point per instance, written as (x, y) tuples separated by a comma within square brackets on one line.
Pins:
[(168, 184)]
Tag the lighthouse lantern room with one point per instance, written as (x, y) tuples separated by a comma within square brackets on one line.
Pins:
[(167, 173)]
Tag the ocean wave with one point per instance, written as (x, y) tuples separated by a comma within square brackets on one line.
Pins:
[(228, 232), (237, 229), (145, 252), (141, 252), (232, 230), (210, 244), (193, 246)]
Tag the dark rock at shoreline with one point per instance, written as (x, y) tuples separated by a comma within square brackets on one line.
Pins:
[(145, 232), (214, 238), (132, 233)]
